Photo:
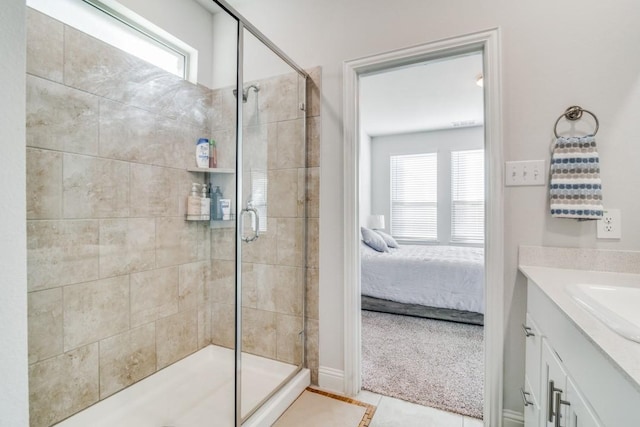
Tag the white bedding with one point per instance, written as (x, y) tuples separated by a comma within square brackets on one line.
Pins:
[(435, 276)]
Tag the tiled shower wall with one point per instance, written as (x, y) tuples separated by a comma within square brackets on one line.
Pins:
[(117, 279), (120, 285), (276, 264)]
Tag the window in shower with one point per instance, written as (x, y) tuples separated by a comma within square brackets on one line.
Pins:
[(112, 23)]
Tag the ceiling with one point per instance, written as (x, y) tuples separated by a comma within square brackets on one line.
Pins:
[(440, 94)]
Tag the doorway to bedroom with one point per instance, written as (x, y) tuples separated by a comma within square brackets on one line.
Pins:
[(421, 212)]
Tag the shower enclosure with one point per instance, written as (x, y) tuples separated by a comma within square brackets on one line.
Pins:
[(138, 314)]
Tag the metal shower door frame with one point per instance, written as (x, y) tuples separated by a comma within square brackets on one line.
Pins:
[(244, 24)]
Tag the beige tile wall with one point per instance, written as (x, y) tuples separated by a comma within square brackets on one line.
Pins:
[(120, 285), (276, 269), (118, 280)]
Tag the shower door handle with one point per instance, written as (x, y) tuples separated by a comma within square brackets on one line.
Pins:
[(257, 229)]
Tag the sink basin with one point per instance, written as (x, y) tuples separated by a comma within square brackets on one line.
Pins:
[(618, 307)]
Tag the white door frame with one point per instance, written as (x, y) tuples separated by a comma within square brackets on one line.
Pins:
[(488, 42)]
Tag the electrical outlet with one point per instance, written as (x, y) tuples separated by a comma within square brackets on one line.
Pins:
[(527, 172), (610, 226)]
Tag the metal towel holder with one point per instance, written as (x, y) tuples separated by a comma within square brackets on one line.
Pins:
[(574, 113)]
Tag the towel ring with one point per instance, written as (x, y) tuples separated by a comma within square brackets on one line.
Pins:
[(574, 113)]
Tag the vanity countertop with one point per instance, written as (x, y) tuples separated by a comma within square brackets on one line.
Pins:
[(623, 353)]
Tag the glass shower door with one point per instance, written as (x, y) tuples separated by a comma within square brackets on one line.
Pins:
[(272, 220)]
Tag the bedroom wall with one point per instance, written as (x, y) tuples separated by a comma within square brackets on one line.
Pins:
[(442, 141), (554, 54)]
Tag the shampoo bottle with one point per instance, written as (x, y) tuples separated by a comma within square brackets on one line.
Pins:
[(193, 201), (205, 204), (202, 153)]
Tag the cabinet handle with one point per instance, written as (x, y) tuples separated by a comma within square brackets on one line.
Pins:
[(524, 397), (559, 402), (550, 394), (527, 331)]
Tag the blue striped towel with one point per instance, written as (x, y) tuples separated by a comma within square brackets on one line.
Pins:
[(575, 187)]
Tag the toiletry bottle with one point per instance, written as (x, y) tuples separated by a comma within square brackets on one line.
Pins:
[(205, 204), (202, 153), (225, 206), (213, 154), (212, 204), (193, 201), (217, 196)]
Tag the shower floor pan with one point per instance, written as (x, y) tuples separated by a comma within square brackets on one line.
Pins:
[(198, 391)]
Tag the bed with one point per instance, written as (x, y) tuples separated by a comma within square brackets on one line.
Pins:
[(442, 282)]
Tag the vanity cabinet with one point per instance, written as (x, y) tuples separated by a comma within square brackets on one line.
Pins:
[(551, 396), (563, 404)]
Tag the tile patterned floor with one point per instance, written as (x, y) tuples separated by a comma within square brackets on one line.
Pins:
[(392, 412), (313, 409)]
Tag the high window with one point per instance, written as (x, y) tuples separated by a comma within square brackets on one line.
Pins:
[(114, 24)]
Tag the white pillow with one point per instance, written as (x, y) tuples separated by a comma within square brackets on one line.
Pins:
[(373, 240), (390, 241)]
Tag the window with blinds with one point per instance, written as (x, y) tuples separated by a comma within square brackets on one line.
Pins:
[(414, 196), (467, 196)]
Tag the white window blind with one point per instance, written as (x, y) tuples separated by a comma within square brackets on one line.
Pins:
[(414, 196), (467, 196)]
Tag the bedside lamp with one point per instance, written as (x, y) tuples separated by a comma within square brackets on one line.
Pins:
[(375, 222)]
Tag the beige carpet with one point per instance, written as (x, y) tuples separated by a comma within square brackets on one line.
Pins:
[(315, 408), (430, 362)]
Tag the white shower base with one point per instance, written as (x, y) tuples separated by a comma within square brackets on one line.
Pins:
[(198, 391)]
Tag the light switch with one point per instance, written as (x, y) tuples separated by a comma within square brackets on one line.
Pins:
[(526, 172)]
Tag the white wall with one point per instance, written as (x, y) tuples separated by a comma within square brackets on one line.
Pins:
[(14, 403), (442, 142), (365, 179), (555, 54)]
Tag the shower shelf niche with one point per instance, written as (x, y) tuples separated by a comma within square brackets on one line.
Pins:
[(212, 170)]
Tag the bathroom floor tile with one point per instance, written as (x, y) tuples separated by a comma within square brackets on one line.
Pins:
[(315, 410), (394, 412), (473, 422), (369, 397)]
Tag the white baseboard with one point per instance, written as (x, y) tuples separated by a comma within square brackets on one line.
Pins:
[(512, 418), (330, 379)]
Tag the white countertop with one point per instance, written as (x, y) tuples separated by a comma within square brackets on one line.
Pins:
[(623, 353)]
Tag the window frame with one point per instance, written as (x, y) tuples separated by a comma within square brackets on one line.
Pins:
[(93, 17)]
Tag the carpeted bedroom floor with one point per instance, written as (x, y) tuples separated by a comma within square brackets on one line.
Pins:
[(431, 362)]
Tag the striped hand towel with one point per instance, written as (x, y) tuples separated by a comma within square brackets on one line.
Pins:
[(575, 187)]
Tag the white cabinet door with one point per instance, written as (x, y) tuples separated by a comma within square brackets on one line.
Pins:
[(531, 406), (580, 414), (531, 391), (554, 382)]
